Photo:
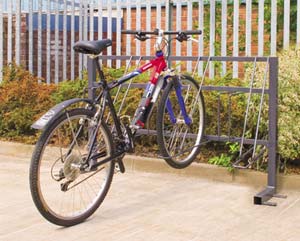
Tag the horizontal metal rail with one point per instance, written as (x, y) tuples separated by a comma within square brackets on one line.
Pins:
[(190, 58), (228, 89), (210, 137)]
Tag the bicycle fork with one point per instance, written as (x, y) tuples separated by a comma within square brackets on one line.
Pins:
[(178, 90)]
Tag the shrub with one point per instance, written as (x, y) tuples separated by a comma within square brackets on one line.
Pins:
[(70, 89), (288, 103), (229, 104), (22, 100)]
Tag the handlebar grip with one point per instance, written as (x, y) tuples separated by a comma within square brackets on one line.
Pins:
[(155, 32), (190, 32), (186, 32), (129, 32), (139, 32)]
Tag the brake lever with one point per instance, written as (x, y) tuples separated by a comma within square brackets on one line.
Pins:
[(182, 37), (194, 40), (141, 37)]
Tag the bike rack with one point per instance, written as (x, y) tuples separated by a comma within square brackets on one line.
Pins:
[(271, 73)]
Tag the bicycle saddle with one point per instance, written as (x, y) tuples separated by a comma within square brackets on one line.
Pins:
[(92, 47)]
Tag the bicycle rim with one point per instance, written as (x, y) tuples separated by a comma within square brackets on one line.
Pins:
[(179, 142)]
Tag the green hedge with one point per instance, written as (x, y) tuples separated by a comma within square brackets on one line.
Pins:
[(288, 103)]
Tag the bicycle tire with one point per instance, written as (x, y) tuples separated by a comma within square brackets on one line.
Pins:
[(174, 154), (46, 149)]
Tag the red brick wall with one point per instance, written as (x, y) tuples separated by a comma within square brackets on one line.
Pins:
[(23, 40)]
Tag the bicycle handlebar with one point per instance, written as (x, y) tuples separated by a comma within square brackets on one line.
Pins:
[(156, 32)]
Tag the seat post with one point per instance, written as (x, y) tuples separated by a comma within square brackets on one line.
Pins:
[(91, 77), (93, 65), (99, 69)]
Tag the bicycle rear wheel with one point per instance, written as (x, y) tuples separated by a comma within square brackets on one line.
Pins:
[(56, 160), (179, 143)]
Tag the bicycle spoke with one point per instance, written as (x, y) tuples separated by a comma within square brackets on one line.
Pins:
[(174, 139), (81, 196), (87, 192), (60, 145), (173, 134), (178, 137), (61, 204), (74, 136), (91, 187), (183, 139), (73, 202), (172, 148)]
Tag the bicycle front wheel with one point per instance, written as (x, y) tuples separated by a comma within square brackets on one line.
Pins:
[(178, 141), (63, 192)]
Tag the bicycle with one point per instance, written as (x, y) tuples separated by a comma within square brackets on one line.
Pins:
[(77, 154)]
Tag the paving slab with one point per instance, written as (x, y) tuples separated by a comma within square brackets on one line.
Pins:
[(152, 206)]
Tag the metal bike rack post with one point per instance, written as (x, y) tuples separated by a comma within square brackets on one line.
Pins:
[(271, 143), (270, 190)]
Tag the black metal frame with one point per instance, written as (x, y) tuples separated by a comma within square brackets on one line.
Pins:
[(271, 144), (93, 65)]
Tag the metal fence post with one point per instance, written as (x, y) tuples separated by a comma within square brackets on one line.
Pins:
[(169, 8)]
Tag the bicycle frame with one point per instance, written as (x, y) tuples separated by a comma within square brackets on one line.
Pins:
[(159, 65)]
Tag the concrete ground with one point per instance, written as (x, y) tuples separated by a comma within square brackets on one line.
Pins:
[(152, 206)]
